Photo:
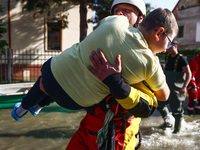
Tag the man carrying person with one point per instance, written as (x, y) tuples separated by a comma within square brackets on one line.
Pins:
[(67, 80), (90, 125)]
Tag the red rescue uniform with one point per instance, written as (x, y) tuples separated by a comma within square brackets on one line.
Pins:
[(194, 98)]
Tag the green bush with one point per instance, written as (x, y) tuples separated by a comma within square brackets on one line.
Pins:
[(3, 30), (189, 52)]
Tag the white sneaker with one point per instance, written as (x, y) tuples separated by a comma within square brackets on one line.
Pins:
[(169, 120)]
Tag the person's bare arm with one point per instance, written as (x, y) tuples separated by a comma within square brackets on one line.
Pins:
[(163, 94), (187, 70)]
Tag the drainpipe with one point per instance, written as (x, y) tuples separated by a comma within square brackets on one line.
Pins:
[(9, 50), (9, 28)]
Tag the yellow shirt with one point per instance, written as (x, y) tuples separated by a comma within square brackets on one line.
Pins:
[(114, 36)]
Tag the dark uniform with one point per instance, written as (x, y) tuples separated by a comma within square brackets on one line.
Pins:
[(175, 77)]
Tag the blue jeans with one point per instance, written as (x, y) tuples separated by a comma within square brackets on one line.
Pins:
[(52, 88)]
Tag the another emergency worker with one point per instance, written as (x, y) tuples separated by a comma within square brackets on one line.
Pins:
[(193, 106), (178, 76)]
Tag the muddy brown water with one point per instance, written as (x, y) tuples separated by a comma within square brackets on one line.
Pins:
[(53, 128)]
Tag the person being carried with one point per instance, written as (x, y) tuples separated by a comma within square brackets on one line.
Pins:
[(67, 80)]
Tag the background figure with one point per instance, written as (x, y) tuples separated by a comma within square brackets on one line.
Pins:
[(178, 75), (194, 87)]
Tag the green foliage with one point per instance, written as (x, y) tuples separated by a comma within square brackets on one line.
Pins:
[(3, 43), (185, 52), (3, 30), (148, 8), (189, 52), (44, 7), (102, 9)]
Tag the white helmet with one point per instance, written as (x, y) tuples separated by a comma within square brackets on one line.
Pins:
[(139, 4)]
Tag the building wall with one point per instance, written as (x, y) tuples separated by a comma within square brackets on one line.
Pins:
[(27, 39), (27, 32), (188, 3), (188, 15), (189, 18)]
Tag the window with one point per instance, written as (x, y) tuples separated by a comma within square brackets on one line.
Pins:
[(53, 34), (181, 31), (198, 32)]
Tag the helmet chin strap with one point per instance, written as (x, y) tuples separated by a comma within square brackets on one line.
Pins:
[(137, 22)]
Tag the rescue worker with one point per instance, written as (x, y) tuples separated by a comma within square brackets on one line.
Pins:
[(124, 127), (178, 76), (194, 87), (95, 116)]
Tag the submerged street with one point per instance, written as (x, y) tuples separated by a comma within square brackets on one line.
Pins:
[(54, 126)]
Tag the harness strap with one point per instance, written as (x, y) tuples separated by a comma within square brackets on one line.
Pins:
[(139, 135), (167, 58), (176, 62)]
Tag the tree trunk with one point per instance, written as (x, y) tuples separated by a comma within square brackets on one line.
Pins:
[(83, 19)]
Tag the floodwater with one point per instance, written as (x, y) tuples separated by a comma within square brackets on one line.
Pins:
[(154, 138), (54, 126)]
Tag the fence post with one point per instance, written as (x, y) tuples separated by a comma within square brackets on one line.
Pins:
[(9, 53)]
